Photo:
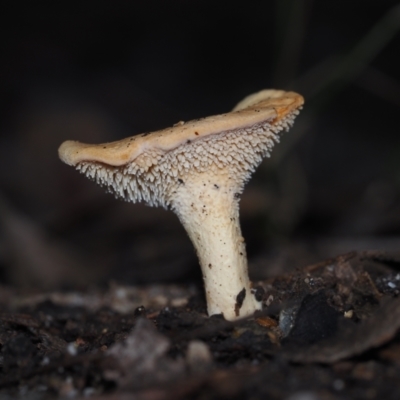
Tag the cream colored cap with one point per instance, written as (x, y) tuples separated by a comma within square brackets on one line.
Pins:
[(267, 105)]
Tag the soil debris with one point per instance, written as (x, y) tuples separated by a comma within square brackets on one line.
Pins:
[(328, 331)]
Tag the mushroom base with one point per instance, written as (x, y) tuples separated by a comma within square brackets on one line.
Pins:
[(208, 208)]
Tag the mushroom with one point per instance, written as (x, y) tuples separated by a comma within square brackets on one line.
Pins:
[(198, 169)]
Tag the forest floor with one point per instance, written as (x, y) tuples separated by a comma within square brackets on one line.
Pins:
[(328, 331)]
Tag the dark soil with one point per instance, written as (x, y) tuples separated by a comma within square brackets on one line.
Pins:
[(329, 331)]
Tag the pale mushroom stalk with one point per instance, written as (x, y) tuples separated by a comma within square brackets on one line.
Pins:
[(207, 205), (198, 169)]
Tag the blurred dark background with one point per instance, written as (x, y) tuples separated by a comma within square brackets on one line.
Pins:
[(98, 71)]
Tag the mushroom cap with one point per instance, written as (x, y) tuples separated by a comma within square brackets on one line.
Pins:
[(265, 106), (150, 167)]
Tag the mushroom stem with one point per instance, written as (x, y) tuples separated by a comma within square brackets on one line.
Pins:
[(208, 207)]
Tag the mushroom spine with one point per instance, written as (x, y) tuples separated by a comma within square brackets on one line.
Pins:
[(152, 175)]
